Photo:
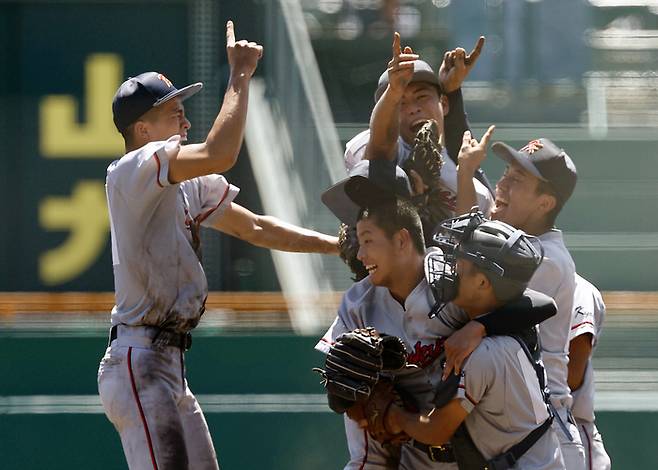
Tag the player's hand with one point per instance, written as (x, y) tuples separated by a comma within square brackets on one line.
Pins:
[(460, 345), (457, 65), (243, 55), (401, 67), (472, 153)]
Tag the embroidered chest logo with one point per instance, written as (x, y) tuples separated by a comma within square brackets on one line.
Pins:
[(424, 355), (532, 146)]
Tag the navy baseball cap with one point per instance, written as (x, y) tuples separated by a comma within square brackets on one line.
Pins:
[(546, 161), (138, 94), (423, 72), (370, 182)]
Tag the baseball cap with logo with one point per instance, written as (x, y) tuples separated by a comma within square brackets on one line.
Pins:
[(423, 72), (546, 161), (370, 182), (138, 94)]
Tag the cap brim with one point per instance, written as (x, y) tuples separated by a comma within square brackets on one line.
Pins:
[(339, 203), (182, 93), (511, 155), (347, 197)]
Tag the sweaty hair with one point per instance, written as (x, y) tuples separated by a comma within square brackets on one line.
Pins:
[(544, 187), (392, 217)]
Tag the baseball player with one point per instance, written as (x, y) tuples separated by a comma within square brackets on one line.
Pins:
[(396, 299), (538, 181), (500, 394), (159, 193), (586, 325), (409, 93)]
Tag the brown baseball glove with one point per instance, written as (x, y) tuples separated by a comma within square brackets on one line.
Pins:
[(424, 169), (348, 247), (371, 414)]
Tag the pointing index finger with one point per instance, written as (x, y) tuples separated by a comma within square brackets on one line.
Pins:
[(396, 44), (487, 136), (230, 35), (475, 53)]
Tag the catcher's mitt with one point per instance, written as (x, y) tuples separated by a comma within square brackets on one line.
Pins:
[(426, 161), (372, 414), (348, 246), (354, 363)]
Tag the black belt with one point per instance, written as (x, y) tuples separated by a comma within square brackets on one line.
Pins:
[(163, 337), (442, 453)]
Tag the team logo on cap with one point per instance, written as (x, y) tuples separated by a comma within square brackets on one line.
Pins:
[(532, 146), (165, 79)]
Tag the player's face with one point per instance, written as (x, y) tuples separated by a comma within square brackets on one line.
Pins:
[(376, 252), (517, 201), (168, 119), (467, 291), (420, 102)]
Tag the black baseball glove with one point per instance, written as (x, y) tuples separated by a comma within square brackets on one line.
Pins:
[(354, 363)]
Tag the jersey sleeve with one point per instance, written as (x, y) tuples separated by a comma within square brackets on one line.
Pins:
[(336, 329), (477, 376), (144, 172), (214, 195), (584, 315), (348, 319), (355, 149)]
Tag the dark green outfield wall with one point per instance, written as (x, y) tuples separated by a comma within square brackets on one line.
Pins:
[(216, 365)]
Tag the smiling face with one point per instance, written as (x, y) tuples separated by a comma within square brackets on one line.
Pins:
[(164, 121), (518, 201), (420, 102), (377, 252)]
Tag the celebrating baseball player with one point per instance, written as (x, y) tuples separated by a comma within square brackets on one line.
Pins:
[(413, 105), (410, 95), (537, 183), (586, 326), (396, 299), (159, 194), (500, 395)]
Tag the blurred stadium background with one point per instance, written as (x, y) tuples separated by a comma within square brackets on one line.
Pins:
[(581, 72)]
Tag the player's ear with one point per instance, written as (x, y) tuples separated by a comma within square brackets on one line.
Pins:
[(402, 239), (547, 203), (140, 130), (483, 281)]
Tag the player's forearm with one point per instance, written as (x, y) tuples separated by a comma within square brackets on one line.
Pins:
[(580, 350), (225, 137), (466, 194), (276, 234), (421, 427), (384, 127)]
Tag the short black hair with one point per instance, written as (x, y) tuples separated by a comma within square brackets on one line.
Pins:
[(394, 216)]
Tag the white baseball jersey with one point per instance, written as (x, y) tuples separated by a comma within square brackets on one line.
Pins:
[(355, 151), (160, 284), (555, 278), (159, 280), (500, 391), (588, 317), (367, 305)]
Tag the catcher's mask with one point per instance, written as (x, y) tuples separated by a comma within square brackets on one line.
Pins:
[(507, 256)]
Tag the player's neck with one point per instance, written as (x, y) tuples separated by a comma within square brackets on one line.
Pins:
[(408, 276)]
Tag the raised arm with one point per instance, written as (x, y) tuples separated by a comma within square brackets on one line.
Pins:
[(471, 155), (385, 118), (220, 150), (275, 234)]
